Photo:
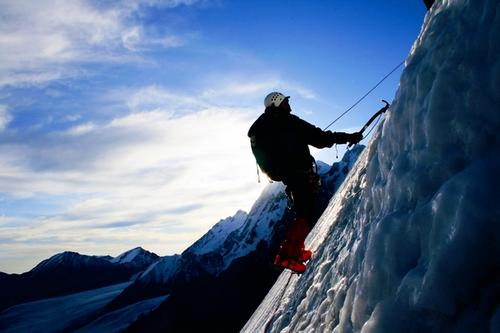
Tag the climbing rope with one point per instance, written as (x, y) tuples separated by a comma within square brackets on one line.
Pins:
[(365, 95)]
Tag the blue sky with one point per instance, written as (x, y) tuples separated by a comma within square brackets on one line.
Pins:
[(124, 124)]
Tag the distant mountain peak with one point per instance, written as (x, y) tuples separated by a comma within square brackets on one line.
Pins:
[(216, 236), (68, 259), (136, 257)]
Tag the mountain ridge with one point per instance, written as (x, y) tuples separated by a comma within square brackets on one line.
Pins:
[(69, 272)]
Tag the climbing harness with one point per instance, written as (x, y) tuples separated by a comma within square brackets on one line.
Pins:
[(365, 95)]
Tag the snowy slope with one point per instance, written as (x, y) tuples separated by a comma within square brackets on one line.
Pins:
[(41, 315), (410, 243), (214, 238), (117, 321), (265, 213), (160, 271)]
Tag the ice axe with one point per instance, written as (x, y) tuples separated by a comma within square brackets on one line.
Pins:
[(368, 123)]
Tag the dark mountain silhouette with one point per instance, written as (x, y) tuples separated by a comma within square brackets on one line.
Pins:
[(70, 272)]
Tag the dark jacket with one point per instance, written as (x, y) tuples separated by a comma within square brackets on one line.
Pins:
[(288, 138)]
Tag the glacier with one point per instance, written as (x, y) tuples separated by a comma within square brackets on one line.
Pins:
[(45, 315), (410, 242)]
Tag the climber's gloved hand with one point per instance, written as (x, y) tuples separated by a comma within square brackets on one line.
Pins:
[(342, 138), (355, 138)]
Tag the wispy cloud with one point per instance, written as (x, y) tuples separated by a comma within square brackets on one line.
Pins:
[(157, 170), (41, 40), (242, 87), (136, 39), (5, 117), (136, 176), (154, 97)]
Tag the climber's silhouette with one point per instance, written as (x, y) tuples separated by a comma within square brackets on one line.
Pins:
[(280, 142)]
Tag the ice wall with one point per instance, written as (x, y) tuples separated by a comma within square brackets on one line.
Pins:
[(411, 241)]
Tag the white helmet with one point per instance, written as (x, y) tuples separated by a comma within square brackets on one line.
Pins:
[(274, 98)]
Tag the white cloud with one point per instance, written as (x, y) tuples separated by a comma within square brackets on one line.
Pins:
[(235, 87), (154, 97), (230, 91), (41, 40), (163, 3), (170, 41), (243, 87), (72, 117), (134, 39), (5, 117), (156, 177), (159, 176), (302, 91), (81, 129)]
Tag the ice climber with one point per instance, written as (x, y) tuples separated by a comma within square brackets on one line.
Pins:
[(280, 142)]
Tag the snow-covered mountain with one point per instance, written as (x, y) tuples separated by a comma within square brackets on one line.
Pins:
[(69, 259), (137, 258), (70, 272), (160, 271), (411, 241), (254, 227), (214, 238)]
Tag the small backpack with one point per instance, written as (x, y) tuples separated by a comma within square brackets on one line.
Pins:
[(270, 154)]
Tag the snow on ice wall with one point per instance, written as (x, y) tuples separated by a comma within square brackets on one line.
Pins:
[(410, 243)]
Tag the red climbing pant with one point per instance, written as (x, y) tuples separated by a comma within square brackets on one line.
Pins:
[(302, 188)]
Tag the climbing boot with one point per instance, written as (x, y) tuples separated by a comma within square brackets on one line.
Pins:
[(290, 264), (292, 253), (305, 255)]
